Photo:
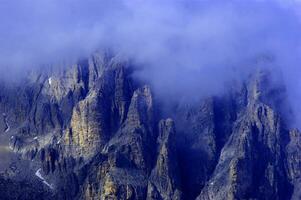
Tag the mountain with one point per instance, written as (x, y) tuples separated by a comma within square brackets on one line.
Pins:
[(93, 131)]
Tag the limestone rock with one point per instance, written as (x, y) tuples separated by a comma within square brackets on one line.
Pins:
[(164, 181)]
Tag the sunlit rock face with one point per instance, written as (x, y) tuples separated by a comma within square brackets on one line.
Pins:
[(93, 131)]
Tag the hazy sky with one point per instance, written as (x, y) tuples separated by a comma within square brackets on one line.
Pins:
[(185, 48)]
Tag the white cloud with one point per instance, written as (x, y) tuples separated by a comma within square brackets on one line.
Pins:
[(187, 48)]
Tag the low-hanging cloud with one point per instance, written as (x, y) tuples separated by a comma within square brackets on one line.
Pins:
[(185, 48)]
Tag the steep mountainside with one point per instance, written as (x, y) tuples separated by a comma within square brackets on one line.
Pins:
[(91, 131)]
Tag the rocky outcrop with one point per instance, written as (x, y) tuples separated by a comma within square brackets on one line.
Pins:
[(164, 181), (252, 163), (293, 157), (94, 132), (88, 128), (96, 118), (130, 151)]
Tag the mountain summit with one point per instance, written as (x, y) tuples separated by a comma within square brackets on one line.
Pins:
[(92, 131)]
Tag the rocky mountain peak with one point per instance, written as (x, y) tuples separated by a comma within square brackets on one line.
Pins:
[(91, 131)]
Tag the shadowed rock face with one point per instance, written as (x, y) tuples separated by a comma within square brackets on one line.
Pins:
[(97, 133), (165, 180)]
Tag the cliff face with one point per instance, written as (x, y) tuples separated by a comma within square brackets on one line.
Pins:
[(91, 131), (252, 163)]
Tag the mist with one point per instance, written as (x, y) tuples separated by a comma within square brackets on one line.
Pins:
[(185, 49)]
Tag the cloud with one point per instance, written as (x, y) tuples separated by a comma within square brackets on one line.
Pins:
[(186, 49)]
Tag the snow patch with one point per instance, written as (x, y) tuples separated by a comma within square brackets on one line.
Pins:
[(35, 138), (6, 123), (59, 141), (38, 174), (50, 81), (8, 128)]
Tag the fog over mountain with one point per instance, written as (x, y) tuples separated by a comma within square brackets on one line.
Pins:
[(197, 42), (149, 99), (172, 39)]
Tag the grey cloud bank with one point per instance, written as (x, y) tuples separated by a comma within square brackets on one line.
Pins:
[(186, 49)]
